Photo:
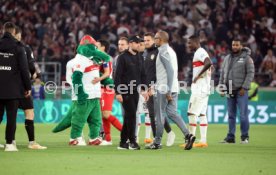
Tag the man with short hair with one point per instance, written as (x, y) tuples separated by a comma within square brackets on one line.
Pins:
[(15, 75), (129, 75), (236, 74), (165, 100), (201, 87), (108, 94), (150, 54), (26, 104), (122, 46)]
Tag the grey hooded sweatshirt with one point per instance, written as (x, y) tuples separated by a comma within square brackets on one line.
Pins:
[(237, 70)]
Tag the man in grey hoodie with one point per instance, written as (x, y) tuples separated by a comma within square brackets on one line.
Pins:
[(237, 72)]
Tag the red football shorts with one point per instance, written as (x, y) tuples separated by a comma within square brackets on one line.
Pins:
[(107, 99)]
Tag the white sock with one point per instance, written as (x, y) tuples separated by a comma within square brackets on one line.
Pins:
[(147, 126), (203, 128), (138, 124), (192, 122)]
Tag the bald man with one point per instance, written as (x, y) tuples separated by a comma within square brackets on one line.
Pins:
[(166, 95)]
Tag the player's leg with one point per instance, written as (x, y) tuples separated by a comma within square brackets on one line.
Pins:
[(27, 105), (150, 105), (139, 111), (138, 125), (192, 114), (106, 125), (106, 106), (148, 140), (201, 103), (203, 122), (94, 122)]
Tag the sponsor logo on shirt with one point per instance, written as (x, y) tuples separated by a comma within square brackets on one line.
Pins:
[(241, 60), (6, 55), (5, 68), (152, 56)]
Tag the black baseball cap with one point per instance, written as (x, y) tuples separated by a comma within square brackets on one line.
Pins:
[(136, 39)]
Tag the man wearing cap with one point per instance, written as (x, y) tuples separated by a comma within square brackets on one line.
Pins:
[(129, 75)]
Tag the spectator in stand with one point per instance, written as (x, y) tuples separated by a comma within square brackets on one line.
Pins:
[(269, 63), (58, 25), (38, 90)]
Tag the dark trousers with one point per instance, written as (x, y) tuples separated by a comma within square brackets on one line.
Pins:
[(130, 103), (150, 105), (11, 107)]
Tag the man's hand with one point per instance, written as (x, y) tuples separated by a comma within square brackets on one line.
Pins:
[(169, 97), (242, 92), (150, 91), (96, 80), (196, 78), (119, 98), (222, 94), (34, 76), (27, 93), (145, 95)]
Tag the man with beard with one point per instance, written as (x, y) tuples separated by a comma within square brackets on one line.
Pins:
[(129, 75), (151, 53), (166, 96), (237, 74)]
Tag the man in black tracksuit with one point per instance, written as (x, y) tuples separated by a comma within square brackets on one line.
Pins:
[(151, 53), (15, 79), (26, 104), (129, 75)]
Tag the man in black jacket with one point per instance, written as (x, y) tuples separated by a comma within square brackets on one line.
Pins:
[(150, 71), (16, 81), (129, 75), (26, 104)]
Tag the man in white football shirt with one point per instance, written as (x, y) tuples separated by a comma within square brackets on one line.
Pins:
[(200, 88)]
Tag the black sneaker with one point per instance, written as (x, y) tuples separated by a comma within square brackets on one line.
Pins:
[(190, 141), (134, 146), (123, 146), (154, 146), (102, 135), (228, 140)]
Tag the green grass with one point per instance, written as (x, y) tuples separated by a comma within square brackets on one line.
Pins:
[(258, 157)]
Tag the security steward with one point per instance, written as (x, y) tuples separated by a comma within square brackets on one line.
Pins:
[(14, 75)]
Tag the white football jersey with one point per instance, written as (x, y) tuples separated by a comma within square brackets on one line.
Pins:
[(203, 84), (90, 71)]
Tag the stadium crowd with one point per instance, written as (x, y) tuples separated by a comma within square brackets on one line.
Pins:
[(53, 28)]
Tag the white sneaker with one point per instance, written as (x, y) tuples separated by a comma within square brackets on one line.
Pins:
[(106, 143), (170, 138), (244, 141), (10, 147), (77, 142), (14, 142), (34, 145)]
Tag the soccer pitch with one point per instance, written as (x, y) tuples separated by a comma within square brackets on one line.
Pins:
[(257, 157)]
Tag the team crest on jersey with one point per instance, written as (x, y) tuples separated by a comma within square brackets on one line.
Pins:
[(152, 56)]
